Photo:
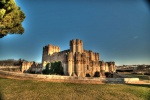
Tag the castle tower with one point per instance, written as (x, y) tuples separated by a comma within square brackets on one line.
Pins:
[(49, 50), (70, 63), (92, 55), (102, 66), (78, 63), (79, 46), (112, 67), (76, 46), (84, 67), (52, 49), (97, 56), (45, 54), (73, 46), (102, 69), (106, 67)]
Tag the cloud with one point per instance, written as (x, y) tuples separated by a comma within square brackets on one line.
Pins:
[(135, 37)]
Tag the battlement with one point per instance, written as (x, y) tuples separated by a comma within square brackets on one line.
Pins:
[(50, 49), (76, 45), (75, 41)]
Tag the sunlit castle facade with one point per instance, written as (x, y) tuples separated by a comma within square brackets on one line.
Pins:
[(76, 61)]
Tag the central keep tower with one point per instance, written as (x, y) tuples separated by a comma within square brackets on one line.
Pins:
[(76, 46)]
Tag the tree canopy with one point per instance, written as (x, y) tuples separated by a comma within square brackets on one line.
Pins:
[(55, 68), (11, 62), (11, 18)]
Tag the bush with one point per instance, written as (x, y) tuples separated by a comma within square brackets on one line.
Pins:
[(46, 70), (55, 68)]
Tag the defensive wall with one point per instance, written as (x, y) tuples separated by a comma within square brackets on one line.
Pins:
[(70, 79), (10, 68), (1, 67)]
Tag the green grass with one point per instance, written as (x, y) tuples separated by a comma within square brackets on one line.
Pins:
[(11, 89)]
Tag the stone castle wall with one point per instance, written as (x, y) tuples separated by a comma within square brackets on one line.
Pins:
[(49, 50), (31, 67), (76, 61), (2, 67), (11, 68)]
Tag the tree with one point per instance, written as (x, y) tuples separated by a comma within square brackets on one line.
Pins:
[(11, 62), (140, 68), (11, 18), (55, 68), (46, 70)]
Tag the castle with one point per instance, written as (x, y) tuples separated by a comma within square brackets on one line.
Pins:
[(76, 61)]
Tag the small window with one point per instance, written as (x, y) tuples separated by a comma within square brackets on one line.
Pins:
[(87, 67)]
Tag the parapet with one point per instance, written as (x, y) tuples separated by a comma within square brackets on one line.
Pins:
[(75, 41), (111, 63), (76, 45), (50, 49)]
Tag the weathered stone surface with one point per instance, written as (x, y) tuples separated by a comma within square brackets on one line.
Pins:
[(31, 67)]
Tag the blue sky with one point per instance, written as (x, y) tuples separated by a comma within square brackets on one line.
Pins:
[(118, 29)]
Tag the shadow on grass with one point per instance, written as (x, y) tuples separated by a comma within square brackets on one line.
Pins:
[(1, 96), (3, 78), (140, 85)]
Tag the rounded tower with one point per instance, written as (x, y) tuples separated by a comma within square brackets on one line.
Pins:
[(76, 46), (102, 69), (73, 46), (70, 63), (84, 67), (79, 46), (78, 63), (112, 67)]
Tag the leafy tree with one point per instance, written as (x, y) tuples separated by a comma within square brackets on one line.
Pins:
[(141, 68), (11, 62), (56, 68), (11, 18), (46, 70)]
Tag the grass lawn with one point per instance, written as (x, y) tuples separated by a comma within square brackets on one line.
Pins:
[(11, 89)]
